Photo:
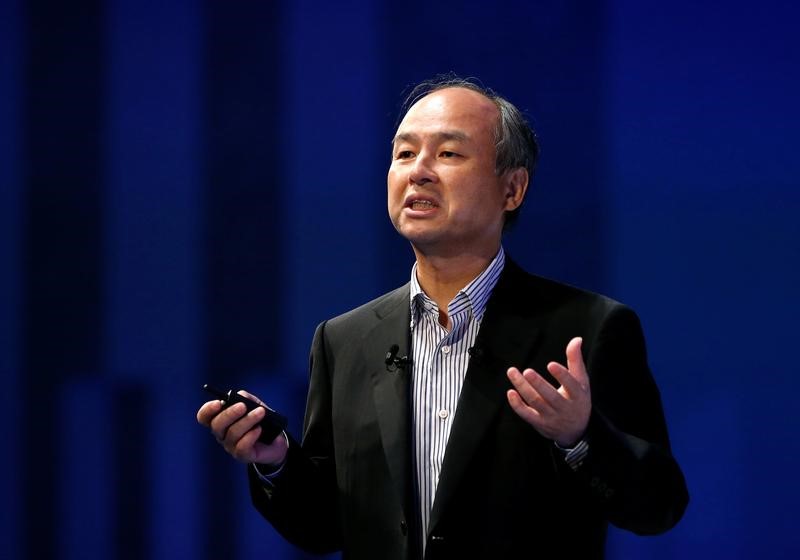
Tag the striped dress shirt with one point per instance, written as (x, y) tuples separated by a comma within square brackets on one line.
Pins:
[(440, 359)]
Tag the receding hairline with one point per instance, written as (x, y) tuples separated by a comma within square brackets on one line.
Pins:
[(493, 102), (450, 134)]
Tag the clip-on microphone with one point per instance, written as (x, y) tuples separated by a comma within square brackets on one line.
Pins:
[(393, 361)]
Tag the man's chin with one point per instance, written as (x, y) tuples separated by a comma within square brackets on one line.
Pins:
[(420, 236)]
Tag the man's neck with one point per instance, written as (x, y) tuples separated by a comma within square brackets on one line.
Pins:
[(441, 277)]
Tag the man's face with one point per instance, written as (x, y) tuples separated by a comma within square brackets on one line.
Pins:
[(444, 196)]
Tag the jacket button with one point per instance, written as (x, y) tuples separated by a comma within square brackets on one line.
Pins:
[(404, 528)]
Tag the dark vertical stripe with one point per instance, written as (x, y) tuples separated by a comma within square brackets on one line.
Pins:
[(11, 35), (243, 220), (132, 453), (244, 175), (62, 334)]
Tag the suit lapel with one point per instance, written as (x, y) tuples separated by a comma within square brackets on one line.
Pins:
[(508, 336), (391, 388)]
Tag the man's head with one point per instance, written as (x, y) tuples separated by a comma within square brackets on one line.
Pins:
[(461, 162)]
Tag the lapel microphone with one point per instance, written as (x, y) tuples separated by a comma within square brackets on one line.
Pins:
[(476, 353), (393, 361)]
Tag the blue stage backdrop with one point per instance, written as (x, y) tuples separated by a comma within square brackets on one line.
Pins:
[(188, 187)]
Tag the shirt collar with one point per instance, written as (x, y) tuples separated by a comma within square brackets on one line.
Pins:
[(474, 295)]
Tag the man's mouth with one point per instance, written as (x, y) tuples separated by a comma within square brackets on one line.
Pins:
[(416, 202), (422, 205)]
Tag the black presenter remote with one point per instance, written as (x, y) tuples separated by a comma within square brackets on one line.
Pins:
[(272, 424)]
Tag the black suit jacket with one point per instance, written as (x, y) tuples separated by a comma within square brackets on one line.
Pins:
[(503, 488)]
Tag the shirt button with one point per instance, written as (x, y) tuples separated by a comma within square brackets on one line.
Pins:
[(445, 349), (443, 414)]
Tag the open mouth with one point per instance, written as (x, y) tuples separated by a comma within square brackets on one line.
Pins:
[(422, 205), (419, 203)]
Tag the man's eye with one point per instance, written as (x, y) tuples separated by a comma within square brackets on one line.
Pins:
[(448, 154), (404, 154)]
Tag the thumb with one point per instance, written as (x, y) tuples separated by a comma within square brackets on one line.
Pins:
[(251, 396), (575, 359)]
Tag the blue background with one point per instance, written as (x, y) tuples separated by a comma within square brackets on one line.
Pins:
[(188, 188)]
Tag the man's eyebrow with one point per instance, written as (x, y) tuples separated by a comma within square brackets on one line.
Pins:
[(443, 135)]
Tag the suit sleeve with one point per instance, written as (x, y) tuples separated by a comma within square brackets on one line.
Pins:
[(302, 501), (629, 469)]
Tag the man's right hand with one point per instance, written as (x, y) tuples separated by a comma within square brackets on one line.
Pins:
[(238, 432)]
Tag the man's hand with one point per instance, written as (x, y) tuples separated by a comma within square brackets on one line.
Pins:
[(238, 432), (559, 414)]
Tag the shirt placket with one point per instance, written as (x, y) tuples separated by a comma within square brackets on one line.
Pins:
[(443, 388), (433, 393)]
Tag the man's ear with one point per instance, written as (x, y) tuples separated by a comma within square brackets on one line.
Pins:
[(516, 184)]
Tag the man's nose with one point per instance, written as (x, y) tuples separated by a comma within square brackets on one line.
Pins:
[(422, 171)]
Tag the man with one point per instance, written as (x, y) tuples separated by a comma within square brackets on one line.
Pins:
[(470, 438)]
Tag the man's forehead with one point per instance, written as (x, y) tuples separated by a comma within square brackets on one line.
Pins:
[(463, 107)]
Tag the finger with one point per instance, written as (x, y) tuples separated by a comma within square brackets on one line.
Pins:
[(222, 421), (569, 384), (527, 390), (575, 360), (238, 429), (244, 448), (544, 389), (208, 411), (518, 405)]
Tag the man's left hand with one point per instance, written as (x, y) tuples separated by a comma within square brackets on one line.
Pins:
[(559, 414)]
